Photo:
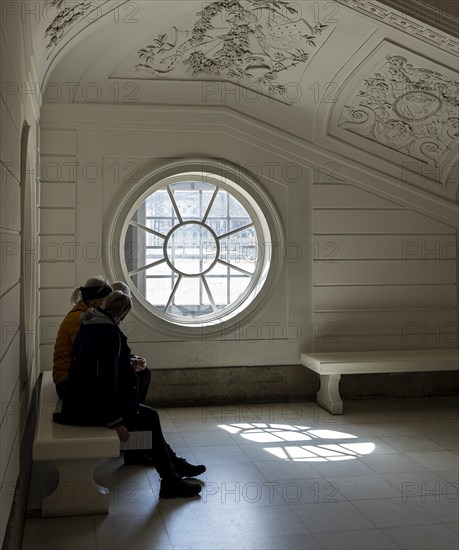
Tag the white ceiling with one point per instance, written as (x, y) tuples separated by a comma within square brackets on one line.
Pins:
[(360, 79)]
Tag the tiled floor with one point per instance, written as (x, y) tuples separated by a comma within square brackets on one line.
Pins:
[(384, 475)]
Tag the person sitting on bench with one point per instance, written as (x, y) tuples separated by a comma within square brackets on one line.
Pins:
[(92, 294), (102, 391), (139, 364)]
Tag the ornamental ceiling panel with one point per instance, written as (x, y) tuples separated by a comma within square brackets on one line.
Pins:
[(263, 46), (354, 79), (403, 108)]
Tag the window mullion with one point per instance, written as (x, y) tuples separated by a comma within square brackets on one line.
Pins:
[(237, 268), (211, 202), (174, 204), (174, 290), (147, 266), (233, 231), (209, 293)]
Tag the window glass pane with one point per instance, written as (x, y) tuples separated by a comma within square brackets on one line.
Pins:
[(188, 299), (188, 293), (158, 204), (218, 286), (160, 281), (160, 270), (134, 248), (153, 241), (219, 225), (241, 249), (131, 249), (160, 225), (192, 198), (236, 209), (220, 206), (238, 284), (141, 248), (205, 198), (236, 223), (218, 269)]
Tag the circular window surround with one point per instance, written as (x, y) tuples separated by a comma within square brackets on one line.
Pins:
[(260, 207)]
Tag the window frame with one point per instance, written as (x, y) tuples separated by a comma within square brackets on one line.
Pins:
[(262, 212)]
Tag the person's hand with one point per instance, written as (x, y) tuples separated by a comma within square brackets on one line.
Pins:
[(138, 363), (122, 431)]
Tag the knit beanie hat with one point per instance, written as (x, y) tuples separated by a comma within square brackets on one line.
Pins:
[(95, 292)]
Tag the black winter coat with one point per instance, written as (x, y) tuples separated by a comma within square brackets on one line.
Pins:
[(102, 385)]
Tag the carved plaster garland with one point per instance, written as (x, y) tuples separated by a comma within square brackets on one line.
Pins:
[(412, 110), (65, 18), (70, 14), (249, 42)]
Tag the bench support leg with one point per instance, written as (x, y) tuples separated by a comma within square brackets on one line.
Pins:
[(77, 493), (328, 395)]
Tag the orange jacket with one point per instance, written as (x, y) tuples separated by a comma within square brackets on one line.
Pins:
[(66, 335)]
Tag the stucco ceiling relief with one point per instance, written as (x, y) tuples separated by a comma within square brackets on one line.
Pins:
[(413, 110), (72, 14), (66, 16), (261, 45)]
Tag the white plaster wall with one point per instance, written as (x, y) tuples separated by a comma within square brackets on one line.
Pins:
[(19, 104), (362, 270), (104, 145), (384, 274)]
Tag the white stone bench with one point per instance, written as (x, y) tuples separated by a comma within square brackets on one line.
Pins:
[(331, 365), (75, 451)]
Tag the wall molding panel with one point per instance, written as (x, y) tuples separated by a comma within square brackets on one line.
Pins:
[(251, 132)]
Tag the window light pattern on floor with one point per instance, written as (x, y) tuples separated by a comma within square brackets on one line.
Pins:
[(323, 445)]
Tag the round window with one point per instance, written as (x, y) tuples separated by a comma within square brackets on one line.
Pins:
[(195, 246)]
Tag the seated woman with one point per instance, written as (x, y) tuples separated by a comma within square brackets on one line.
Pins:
[(139, 364), (92, 294), (102, 391)]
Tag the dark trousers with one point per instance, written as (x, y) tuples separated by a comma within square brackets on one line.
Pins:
[(60, 389), (144, 377), (162, 455)]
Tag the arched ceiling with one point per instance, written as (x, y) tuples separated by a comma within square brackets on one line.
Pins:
[(356, 77)]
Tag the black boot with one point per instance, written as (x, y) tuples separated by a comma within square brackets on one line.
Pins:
[(183, 467), (174, 486)]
